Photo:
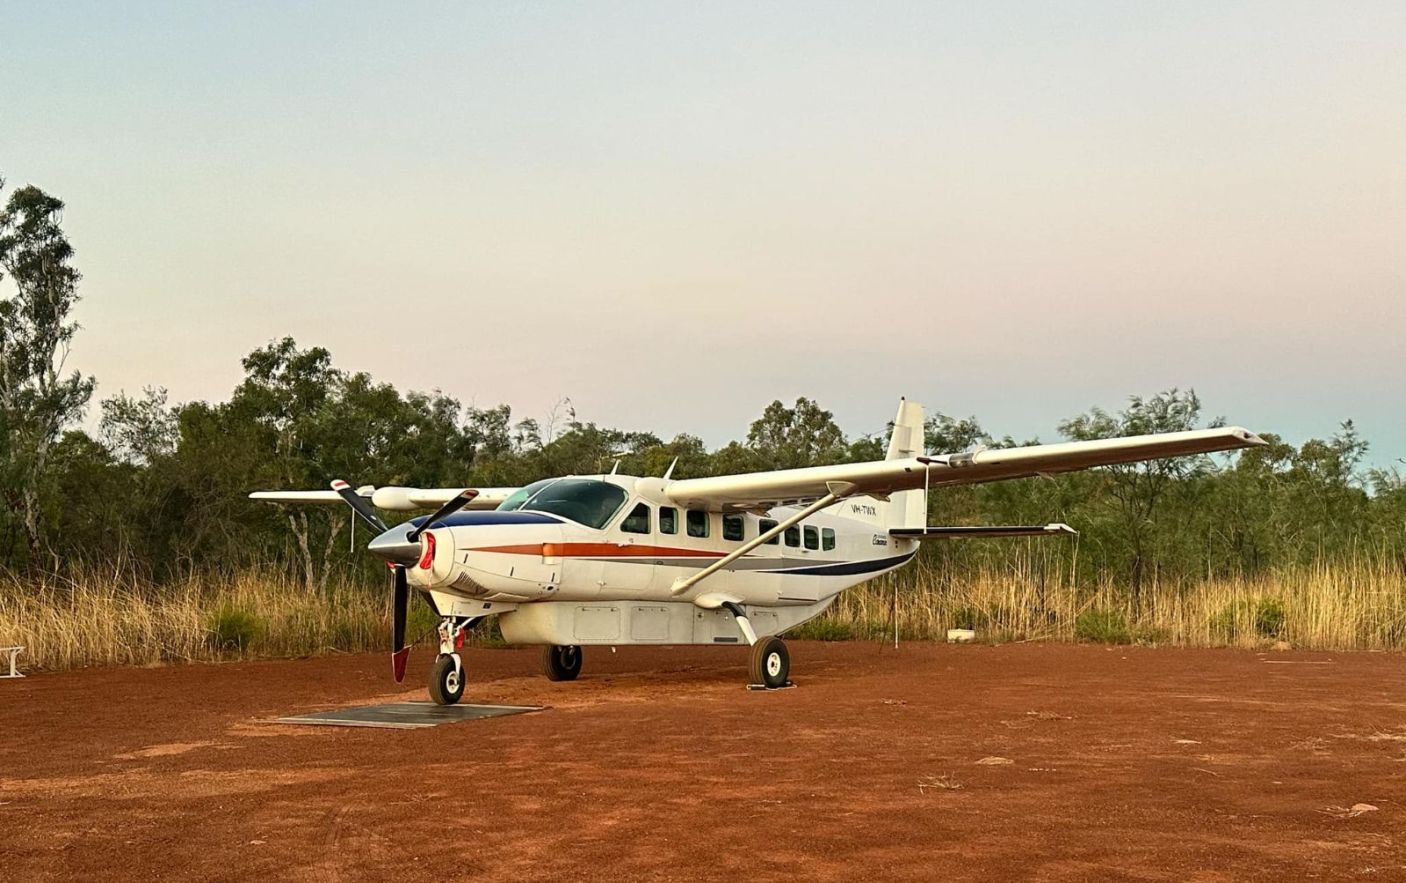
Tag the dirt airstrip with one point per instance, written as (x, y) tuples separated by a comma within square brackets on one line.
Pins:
[(1043, 762)]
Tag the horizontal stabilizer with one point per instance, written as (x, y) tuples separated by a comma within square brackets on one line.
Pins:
[(983, 533)]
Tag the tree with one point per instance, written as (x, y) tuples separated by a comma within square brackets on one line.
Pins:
[(948, 435), (285, 394), (1137, 489), (37, 399), (139, 430), (789, 438)]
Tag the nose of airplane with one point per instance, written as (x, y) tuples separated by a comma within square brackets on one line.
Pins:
[(395, 545)]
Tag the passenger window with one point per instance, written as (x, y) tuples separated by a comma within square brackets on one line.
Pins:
[(793, 536), (827, 538), (766, 525), (733, 528), (697, 523), (668, 519), (637, 521), (812, 538)]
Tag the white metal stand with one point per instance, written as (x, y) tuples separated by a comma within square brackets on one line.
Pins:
[(14, 655)]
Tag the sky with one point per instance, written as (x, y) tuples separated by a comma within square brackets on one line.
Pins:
[(674, 213)]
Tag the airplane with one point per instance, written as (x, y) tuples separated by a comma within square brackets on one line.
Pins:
[(590, 560)]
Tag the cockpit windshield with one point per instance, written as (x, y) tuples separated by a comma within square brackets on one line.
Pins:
[(586, 501)]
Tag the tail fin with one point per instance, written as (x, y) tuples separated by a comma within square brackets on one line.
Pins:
[(907, 508)]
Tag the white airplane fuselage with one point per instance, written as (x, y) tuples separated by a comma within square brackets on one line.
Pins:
[(554, 580)]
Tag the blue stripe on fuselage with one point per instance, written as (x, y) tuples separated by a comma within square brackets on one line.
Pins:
[(849, 568), (492, 516)]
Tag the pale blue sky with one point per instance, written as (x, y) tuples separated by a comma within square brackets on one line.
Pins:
[(675, 213)]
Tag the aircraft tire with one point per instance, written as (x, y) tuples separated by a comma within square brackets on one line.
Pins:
[(770, 663), (561, 662), (446, 685)]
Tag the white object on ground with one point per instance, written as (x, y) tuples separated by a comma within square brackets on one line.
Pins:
[(14, 655), (960, 636)]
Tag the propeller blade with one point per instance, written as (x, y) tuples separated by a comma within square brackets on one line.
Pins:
[(454, 505), (400, 654), (359, 505)]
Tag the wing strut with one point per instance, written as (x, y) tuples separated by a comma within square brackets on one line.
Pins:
[(838, 491)]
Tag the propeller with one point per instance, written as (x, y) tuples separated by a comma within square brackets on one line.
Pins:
[(359, 505), (456, 503), (400, 654), (400, 605)]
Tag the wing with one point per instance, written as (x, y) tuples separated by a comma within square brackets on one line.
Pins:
[(880, 478), (401, 499)]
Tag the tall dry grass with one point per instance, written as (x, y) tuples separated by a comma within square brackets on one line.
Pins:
[(1353, 605), (113, 619), (105, 619)]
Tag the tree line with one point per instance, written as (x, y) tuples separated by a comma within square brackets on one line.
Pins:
[(160, 487)]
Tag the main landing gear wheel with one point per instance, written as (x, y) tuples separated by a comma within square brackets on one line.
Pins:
[(562, 663), (771, 663), (446, 681)]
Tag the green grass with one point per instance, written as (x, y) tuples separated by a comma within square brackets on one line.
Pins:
[(234, 629), (1102, 626), (822, 630)]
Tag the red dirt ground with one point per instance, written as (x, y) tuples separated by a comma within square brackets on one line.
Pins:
[(1124, 763)]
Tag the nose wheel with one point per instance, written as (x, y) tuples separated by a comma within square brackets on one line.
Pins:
[(561, 662), (447, 680), (447, 674)]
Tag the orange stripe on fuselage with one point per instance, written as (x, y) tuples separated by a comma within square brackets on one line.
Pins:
[(598, 550), (528, 549)]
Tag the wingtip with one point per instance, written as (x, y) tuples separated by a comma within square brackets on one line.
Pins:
[(1250, 438)]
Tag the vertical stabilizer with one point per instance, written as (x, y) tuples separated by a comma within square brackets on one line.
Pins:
[(907, 508)]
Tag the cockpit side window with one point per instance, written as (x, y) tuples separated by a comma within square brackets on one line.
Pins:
[(697, 523), (637, 521), (522, 495)]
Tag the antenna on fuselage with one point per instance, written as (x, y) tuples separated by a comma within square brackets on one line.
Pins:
[(670, 471), (616, 468)]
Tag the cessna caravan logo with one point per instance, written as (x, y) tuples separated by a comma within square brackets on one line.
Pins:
[(863, 509)]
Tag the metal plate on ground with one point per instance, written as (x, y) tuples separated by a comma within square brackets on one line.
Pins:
[(404, 715)]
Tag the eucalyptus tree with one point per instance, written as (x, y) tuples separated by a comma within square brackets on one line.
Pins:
[(1135, 492), (38, 398)]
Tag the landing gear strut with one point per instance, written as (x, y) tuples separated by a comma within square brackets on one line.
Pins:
[(770, 665), (447, 674), (561, 663)]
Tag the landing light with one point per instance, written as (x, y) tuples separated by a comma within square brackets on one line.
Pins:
[(427, 559)]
